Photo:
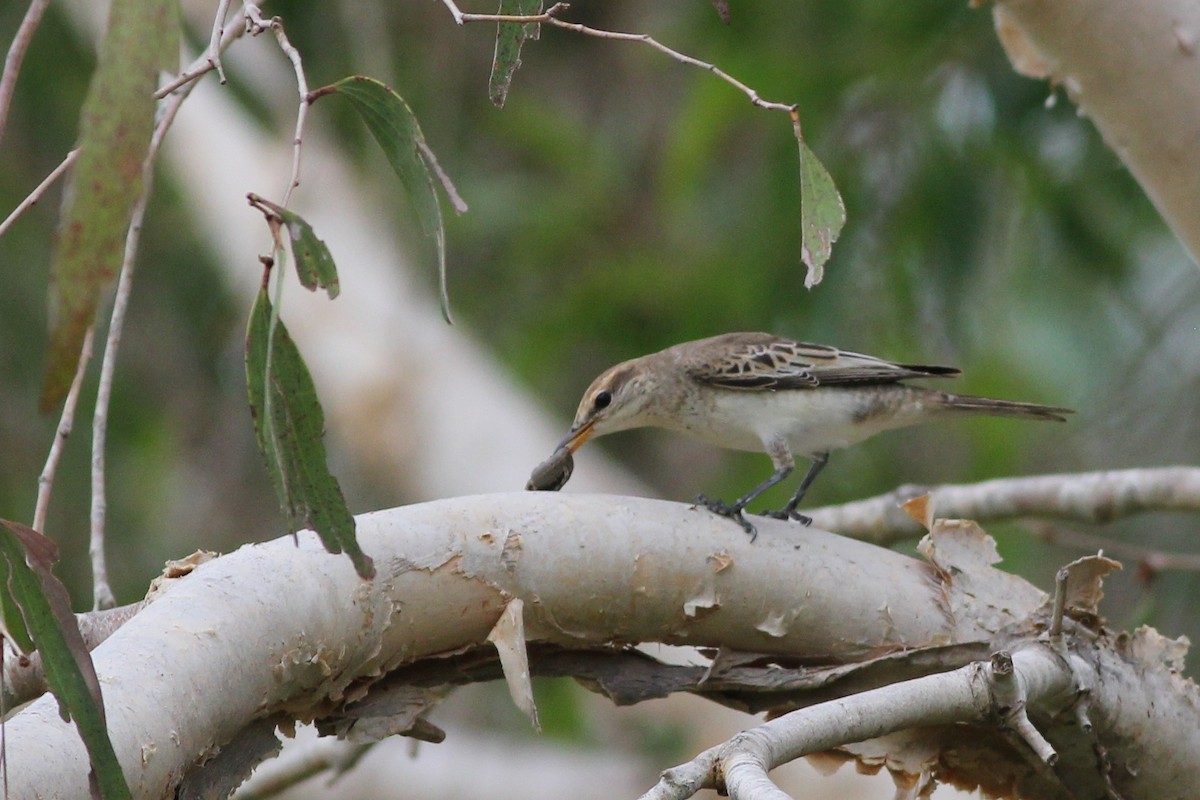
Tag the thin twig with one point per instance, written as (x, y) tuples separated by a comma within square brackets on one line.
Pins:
[(16, 54), (65, 423), (101, 590), (1060, 606), (1154, 560), (214, 40), (551, 17), (210, 59), (256, 24), (31, 200), (461, 18)]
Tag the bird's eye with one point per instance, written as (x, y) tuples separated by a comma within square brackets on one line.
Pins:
[(602, 400)]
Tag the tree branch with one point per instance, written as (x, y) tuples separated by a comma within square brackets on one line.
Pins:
[(32, 198), (1086, 497), (1134, 74), (969, 694), (589, 569), (16, 54), (551, 17), (66, 423), (210, 59)]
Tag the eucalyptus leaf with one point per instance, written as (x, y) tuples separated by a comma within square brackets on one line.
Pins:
[(290, 425), (395, 128), (115, 125), (822, 214)]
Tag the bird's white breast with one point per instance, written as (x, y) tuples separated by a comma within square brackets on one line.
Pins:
[(810, 420)]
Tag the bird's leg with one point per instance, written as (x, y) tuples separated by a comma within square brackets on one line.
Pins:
[(789, 511), (782, 458)]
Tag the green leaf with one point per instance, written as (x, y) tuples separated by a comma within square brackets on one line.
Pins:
[(115, 125), (289, 425), (510, 36), (14, 628), (27, 557), (395, 128), (314, 262), (822, 214)]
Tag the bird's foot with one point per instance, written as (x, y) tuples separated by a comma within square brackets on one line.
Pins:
[(734, 512), (789, 513)]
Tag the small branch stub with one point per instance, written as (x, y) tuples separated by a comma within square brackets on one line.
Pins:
[(1008, 696)]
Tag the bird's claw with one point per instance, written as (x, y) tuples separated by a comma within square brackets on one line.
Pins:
[(789, 513), (734, 512)]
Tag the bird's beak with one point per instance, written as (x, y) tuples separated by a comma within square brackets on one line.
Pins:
[(575, 439)]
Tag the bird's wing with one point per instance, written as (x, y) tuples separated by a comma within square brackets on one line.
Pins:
[(761, 361)]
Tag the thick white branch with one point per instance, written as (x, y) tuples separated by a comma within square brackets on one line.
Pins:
[(283, 628), (278, 627)]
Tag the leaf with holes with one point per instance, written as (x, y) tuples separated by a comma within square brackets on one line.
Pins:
[(510, 37)]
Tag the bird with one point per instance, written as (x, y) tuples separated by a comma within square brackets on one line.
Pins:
[(761, 392)]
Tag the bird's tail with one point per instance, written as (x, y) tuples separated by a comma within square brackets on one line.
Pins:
[(1003, 408)]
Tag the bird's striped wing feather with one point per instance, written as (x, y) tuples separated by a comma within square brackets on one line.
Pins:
[(765, 362)]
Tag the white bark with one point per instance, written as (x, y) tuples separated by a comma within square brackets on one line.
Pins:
[(1133, 69), (280, 629), (1085, 497)]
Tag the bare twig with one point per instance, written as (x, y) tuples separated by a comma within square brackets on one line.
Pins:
[(256, 24), (1153, 560), (101, 590), (1009, 697), (214, 39), (1087, 497), (551, 17), (223, 35), (31, 200), (1060, 606), (65, 424), (461, 18), (16, 54)]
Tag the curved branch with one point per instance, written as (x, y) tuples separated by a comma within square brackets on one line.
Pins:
[(16, 54), (283, 629), (968, 694), (1131, 68)]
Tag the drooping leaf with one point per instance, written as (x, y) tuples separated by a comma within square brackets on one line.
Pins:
[(115, 124), (395, 128), (510, 36), (27, 558), (314, 262), (822, 214), (290, 426)]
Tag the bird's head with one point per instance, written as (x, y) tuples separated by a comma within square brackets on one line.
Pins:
[(616, 401)]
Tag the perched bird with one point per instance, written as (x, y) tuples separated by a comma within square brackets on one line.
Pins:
[(756, 391)]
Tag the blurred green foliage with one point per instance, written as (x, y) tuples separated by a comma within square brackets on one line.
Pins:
[(622, 202)]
